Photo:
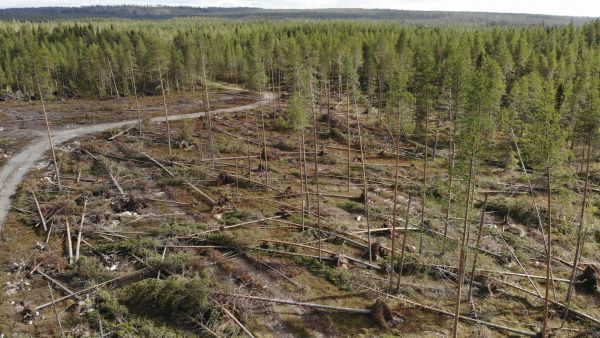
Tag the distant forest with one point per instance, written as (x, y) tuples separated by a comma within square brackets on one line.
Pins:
[(167, 12)]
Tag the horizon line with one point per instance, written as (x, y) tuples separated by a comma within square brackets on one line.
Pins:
[(294, 9)]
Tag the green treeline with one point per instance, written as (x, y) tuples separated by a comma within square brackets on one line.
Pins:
[(95, 59)]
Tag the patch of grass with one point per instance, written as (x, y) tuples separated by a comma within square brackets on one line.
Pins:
[(352, 207), (328, 160), (178, 228), (286, 145), (171, 182), (174, 263), (519, 210), (337, 277)]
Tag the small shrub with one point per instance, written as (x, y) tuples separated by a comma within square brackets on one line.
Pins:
[(235, 217), (328, 160), (108, 306), (173, 298), (339, 278), (285, 146), (139, 247), (174, 263), (171, 182), (88, 270)]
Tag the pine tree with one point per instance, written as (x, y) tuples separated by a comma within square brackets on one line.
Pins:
[(485, 89), (543, 139)]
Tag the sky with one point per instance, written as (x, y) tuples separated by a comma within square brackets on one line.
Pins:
[(552, 7)]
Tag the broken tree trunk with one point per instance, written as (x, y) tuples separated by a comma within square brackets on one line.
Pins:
[(450, 314), (311, 305), (55, 310), (367, 264), (114, 180), (75, 294), (69, 242), (79, 236), (37, 204), (403, 242), (230, 315), (57, 283), (37, 79), (206, 198)]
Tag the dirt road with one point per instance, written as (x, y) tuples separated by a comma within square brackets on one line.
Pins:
[(13, 171)]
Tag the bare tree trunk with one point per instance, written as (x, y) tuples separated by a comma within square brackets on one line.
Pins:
[(112, 74), (69, 243), (302, 175), (581, 224), (55, 310), (537, 210), (328, 86), (264, 140), (365, 184), (349, 130), (394, 212), (470, 292), (162, 89), (424, 187), (305, 172), (435, 144), (406, 222), (80, 235), (314, 116), (137, 105), (248, 144), (395, 208), (56, 170), (461, 262), (548, 253), (40, 213), (207, 112), (449, 204)]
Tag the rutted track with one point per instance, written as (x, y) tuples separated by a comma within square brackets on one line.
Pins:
[(13, 171)]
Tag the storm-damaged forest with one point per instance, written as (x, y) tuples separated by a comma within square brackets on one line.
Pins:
[(329, 178)]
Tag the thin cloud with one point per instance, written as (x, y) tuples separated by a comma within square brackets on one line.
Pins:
[(552, 7)]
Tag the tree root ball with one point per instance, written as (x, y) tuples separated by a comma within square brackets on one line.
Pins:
[(131, 203), (589, 280), (384, 316)]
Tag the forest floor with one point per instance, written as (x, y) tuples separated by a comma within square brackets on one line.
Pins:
[(175, 244)]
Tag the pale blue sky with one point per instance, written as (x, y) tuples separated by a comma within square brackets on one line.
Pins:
[(554, 7)]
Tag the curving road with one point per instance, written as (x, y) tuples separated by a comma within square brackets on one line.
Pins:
[(13, 171)]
